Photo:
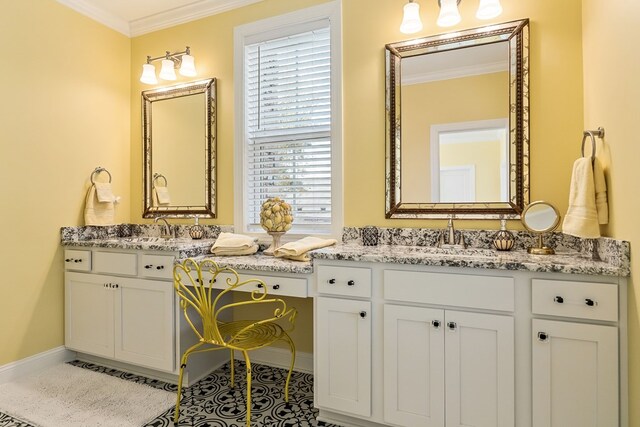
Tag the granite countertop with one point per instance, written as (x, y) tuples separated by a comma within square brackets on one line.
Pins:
[(260, 262), (185, 247), (563, 262)]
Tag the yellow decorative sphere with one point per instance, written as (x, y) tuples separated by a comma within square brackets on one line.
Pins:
[(275, 215)]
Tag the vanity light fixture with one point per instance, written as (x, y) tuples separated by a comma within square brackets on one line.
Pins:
[(449, 14), (170, 61)]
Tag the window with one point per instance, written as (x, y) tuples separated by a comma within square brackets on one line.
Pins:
[(289, 103)]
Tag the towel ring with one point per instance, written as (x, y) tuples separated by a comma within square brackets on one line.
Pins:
[(592, 134), (157, 176), (97, 171)]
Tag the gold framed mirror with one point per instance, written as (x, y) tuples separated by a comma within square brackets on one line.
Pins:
[(179, 134), (457, 124)]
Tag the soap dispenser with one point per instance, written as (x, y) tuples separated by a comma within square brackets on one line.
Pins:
[(503, 240), (196, 231)]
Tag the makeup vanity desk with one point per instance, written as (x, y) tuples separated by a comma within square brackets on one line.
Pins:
[(403, 335)]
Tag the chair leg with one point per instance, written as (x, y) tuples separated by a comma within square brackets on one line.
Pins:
[(183, 364), (233, 375), (248, 362), (293, 361)]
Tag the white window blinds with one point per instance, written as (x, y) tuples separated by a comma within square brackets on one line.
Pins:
[(288, 126)]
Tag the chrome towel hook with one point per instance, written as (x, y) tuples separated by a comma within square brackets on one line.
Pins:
[(97, 171), (592, 134)]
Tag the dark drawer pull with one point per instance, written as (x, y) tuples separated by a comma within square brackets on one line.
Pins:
[(148, 266), (332, 281), (436, 324), (590, 302), (160, 267), (77, 260), (558, 299), (543, 336), (259, 286), (452, 326), (351, 283), (276, 287), (363, 314)]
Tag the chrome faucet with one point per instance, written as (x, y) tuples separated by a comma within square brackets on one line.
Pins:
[(451, 236), (166, 229)]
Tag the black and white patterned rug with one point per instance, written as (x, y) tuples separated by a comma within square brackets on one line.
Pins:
[(212, 403)]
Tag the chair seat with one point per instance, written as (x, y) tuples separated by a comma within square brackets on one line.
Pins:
[(258, 335)]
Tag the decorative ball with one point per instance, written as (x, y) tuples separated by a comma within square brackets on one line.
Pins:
[(275, 215)]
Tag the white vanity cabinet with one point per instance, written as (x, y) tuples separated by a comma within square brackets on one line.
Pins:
[(129, 319), (575, 366)]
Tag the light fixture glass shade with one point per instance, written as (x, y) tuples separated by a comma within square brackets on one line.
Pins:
[(148, 74), (188, 67), (489, 9), (449, 14), (411, 20), (167, 72)]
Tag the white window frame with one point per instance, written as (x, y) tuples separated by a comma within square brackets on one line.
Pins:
[(276, 27)]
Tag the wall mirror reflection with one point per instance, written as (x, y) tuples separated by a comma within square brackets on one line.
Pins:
[(457, 124), (179, 146)]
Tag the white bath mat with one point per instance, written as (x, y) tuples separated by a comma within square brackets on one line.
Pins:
[(67, 396)]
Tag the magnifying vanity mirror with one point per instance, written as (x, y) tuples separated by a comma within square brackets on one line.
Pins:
[(540, 218), (179, 150), (457, 128)]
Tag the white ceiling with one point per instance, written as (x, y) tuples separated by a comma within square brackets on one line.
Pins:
[(135, 17)]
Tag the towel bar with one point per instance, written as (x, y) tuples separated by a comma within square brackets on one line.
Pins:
[(592, 134), (97, 171), (157, 176)]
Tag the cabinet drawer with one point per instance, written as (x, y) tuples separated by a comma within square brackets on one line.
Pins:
[(597, 301), (487, 292), (115, 263), (78, 260), (159, 266), (276, 286), (347, 281)]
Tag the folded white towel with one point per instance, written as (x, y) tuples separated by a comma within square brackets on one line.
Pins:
[(162, 195), (587, 200), (104, 192), (297, 250), (233, 241), (95, 212), (235, 251)]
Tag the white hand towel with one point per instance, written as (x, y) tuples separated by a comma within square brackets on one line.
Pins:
[(95, 212), (235, 251), (104, 192), (587, 200), (233, 241), (297, 250), (162, 195)]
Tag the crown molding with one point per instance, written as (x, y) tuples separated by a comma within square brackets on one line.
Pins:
[(158, 21), (106, 18), (184, 14)]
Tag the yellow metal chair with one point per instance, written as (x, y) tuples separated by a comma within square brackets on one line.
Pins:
[(193, 282)]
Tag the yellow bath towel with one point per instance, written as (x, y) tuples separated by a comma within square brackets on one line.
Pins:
[(234, 244), (588, 207), (96, 212), (297, 251)]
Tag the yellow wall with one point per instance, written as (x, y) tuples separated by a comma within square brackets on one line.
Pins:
[(65, 110), (462, 99), (611, 94)]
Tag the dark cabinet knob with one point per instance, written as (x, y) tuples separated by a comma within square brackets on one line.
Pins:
[(351, 283), (77, 260), (436, 324), (589, 302), (276, 287), (160, 267), (558, 299), (452, 326), (68, 260), (148, 266), (259, 285), (543, 336), (363, 314), (117, 286), (332, 281)]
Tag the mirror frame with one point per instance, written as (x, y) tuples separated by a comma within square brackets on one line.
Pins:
[(149, 97), (516, 33)]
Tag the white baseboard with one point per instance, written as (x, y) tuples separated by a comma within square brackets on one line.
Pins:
[(37, 362), (280, 358)]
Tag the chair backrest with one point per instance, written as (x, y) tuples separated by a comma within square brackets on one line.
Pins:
[(194, 284)]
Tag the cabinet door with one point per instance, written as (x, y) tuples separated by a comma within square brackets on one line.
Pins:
[(89, 314), (479, 360), (413, 366), (343, 352), (144, 323), (575, 374)]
